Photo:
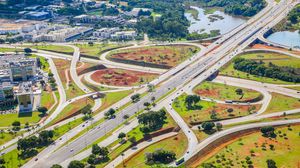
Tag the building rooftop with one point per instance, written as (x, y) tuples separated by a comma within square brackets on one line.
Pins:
[(20, 60), (24, 88)]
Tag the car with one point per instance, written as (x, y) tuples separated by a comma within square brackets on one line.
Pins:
[(36, 159), (71, 150), (83, 125)]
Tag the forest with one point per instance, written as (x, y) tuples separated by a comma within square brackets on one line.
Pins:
[(245, 8), (259, 68)]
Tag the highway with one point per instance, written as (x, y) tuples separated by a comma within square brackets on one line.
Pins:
[(182, 77), (199, 65)]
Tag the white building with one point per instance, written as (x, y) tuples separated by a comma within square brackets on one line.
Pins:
[(63, 35), (105, 33), (25, 97), (124, 35)]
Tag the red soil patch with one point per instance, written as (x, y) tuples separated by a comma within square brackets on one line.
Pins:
[(207, 93), (163, 55), (61, 66), (118, 77)]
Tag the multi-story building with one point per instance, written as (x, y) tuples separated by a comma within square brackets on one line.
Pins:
[(6, 94), (124, 35), (64, 35), (18, 67), (25, 97), (20, 26), (105, 33)]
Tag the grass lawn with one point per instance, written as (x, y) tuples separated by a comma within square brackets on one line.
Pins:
[(73, 90), (47, 99), (59, 131), (53, 48), (61, 66), (112, 98), (200, 135), (170, 55), (275, 58), (281, 103), (178, 144), (72, 109), (224, 92), (294, 88), (92, 87), (286, 150), (11, 50), (43, 62), (8, 119), (205, 109), (291, 116), (5, 136), (12, 160), (96, 50)]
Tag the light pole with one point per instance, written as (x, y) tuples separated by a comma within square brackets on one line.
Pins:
[(122, 154)]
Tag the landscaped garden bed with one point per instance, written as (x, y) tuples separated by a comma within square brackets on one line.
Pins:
[(155, 56), (119, 77)]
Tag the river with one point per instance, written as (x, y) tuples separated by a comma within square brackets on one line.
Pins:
[(221, 21), (287, 38)]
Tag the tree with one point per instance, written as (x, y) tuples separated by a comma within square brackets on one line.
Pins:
[(160, 156), (42, 109), (135, 98), (96, 149), (91, 43), (56, 166), (92, 159), (239, 91), (27, 50), (191, 101), (50, 74), (153, 99), (268, 131), (110, 113), (45, 137), (271, 163), (152, 120), (76, 164), (147, 104), (121, 135), (230, 110), (207, 125), (102, 152), (132, 140), (87, 111), (151, 88), (219, 126), (2, 161), (16, 124)]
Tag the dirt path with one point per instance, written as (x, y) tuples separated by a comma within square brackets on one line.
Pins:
[(67, 78)]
